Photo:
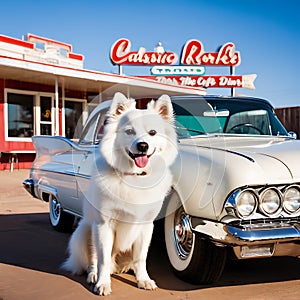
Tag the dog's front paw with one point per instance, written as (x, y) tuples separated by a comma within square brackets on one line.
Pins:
[(102, 289), (92, 277), (147, 284)]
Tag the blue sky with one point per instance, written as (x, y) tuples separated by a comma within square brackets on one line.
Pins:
[(266, 32)]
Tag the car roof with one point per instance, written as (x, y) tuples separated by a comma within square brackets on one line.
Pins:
[(106, 104), (216, 97)]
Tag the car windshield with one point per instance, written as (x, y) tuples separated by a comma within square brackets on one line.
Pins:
[(226, 116)]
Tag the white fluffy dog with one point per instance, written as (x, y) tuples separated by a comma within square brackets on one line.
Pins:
[(126, 195)]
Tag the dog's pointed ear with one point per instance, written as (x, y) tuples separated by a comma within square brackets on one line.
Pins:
[(163, 106), (120, 104)]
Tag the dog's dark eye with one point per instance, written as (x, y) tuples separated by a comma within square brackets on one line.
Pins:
[(152, 132), (130, 131)]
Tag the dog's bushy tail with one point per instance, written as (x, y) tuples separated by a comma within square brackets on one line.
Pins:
[(79, 250)]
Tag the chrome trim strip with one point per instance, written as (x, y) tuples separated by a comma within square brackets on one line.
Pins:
[(69, 173), (281, 234), (83, 176), (231, 152), (72, 212), (238, 236)]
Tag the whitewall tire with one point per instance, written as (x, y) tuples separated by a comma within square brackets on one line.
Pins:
[(193, 258), (60, 220)]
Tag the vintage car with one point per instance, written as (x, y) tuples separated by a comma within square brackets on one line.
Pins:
[(236, 183)]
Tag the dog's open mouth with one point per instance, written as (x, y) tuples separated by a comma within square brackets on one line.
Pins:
[(140, 159)]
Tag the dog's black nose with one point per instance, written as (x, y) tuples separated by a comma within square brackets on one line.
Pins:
[(142, 147)]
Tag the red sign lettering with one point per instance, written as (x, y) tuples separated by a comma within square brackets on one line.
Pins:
[(120, 54), (193, 54), (237, 81)]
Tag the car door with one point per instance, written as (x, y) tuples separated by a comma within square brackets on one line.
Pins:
[(89, 145)]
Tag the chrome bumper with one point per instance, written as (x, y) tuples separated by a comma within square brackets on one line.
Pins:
[(281, 238), (28, 185)]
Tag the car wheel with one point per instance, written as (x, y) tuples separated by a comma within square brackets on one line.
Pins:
[(60, 220), (193, 259)]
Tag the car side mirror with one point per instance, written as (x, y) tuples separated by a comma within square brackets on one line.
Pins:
[(292, 134)]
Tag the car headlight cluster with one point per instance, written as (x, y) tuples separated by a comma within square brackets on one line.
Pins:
[(269, 201)]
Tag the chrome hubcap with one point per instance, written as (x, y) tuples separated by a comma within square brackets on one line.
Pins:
[(183, 236), (54, 210)]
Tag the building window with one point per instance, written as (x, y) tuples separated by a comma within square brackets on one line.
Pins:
[(20, 115), (46, 115), (73, 118)]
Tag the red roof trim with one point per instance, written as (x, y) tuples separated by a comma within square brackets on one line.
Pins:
[(9, 40), (76, 56)]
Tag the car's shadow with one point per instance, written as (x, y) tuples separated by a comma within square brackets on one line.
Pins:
[(28, 240), (236, 272)]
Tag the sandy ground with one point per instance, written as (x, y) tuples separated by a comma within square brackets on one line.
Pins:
[(31, 253)]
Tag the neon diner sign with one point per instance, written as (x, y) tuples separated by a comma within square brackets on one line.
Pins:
[(192, 68), (193, 54)]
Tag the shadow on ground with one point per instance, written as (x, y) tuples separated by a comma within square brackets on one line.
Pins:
[(28, 241)]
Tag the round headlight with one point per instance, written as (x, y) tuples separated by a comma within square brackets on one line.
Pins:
[(291, 199), (270, 201), (246, 203)]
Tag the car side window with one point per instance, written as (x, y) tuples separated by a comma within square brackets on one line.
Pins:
[(93, 130), (100, 127)]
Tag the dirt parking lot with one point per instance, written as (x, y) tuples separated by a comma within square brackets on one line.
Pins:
[(31, 253)]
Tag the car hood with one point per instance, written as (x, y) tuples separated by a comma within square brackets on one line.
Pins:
[(275, 150), (285, 152)]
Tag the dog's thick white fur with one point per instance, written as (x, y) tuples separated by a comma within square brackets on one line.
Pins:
[(126, 195)]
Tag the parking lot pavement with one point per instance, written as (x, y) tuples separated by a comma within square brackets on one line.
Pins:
[(13, 198), (31, 253)]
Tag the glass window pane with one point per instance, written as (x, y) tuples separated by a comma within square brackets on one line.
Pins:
[(88, 134), (250, 122), (93, 130), (20, 115), (46, 129), (73, 119), (45, 108)]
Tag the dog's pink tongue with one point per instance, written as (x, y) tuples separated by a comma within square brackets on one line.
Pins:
[(141, 161)]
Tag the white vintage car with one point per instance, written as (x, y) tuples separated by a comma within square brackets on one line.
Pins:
[(236, 183)]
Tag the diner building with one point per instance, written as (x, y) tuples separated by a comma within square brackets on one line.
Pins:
[(290, 118), (45, 90)]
